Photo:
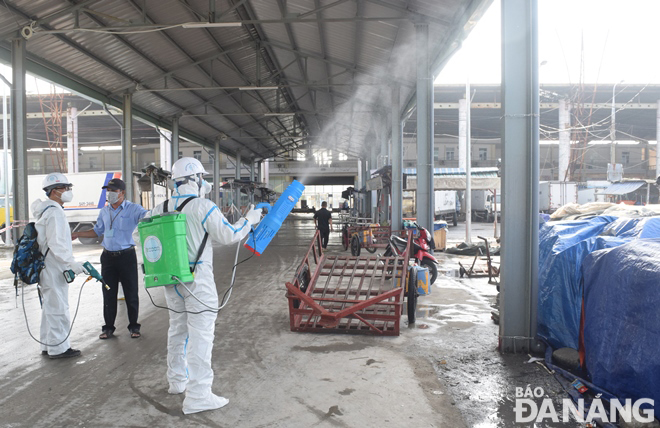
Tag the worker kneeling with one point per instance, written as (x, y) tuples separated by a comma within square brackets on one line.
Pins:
[(191, 332)]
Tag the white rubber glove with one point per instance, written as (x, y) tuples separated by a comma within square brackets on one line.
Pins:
[(253, 216), (77, 268)]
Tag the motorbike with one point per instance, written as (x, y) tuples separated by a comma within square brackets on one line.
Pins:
[(421, 250)]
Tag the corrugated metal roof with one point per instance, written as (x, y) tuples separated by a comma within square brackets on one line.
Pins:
[(623, 188), (333, 63), (475, 172)]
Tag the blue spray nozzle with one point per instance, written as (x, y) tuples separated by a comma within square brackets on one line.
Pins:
[(263, 205), (272, 222)]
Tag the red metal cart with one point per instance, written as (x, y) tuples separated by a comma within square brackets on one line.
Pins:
[(348, 294)]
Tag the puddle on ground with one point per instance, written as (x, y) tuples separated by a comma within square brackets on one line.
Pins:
[(456, 315)]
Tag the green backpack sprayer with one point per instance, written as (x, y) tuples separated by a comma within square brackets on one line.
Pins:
[(165, 248)]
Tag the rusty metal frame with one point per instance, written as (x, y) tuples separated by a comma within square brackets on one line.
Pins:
[(347, 294)]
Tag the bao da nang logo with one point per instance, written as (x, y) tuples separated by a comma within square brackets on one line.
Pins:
[(527, 409)]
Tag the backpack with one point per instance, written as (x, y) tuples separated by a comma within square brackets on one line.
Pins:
[(28, 260)]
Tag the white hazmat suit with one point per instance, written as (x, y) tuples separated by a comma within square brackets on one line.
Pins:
[(54, 236), (190, 336)]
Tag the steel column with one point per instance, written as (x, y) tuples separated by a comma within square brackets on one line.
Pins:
[(397, 160), (266, 173), (216, 173), (19, 132), (6, 165), (424, 200), (373, 200), (468, 165), (462, 132), (383, 159), (237, 176), (165, 150), (564, 139), (252, 179), (175, 140), (127, 147), (520, 176), (657, 139)]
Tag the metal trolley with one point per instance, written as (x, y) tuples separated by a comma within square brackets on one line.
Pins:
[(368, 237), (350, 294)]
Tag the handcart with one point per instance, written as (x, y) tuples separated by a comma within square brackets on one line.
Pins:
[(349, 294), (479, 271), (370, 237)]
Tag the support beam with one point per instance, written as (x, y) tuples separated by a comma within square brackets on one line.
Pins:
[(468, 167), (383, 159), (657, 139), (252, 177), (265, 175), (71, 139), (175, 139), (397, 160), (165, 150), (462, 132), (237, 176), (19, 132), (373, 165), (216, 173), (520, 176), (564, 139), (424, 200), (127, 147)]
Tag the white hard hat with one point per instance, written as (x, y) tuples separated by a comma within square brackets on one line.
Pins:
[(185, 167), (55, 179)]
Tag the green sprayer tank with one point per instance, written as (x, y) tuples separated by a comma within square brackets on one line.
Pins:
[(164, 249)]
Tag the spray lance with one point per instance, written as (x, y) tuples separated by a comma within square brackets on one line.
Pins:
[(69, 276)]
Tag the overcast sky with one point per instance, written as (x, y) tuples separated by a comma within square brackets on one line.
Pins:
[(621, 39)]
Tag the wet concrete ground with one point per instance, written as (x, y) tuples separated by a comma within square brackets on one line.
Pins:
[(443, 371)]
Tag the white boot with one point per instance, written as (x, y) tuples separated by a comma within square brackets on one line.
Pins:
[(177, 387), (211, 402)]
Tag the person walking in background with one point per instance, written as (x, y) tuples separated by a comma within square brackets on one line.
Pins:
[(116, 223), (323, 222)]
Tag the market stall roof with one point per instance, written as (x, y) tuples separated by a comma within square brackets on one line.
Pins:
[(475, 172), (454, 179), (264, 78), (623, 188)]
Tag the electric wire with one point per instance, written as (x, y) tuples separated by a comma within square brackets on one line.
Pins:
[(72, 321)]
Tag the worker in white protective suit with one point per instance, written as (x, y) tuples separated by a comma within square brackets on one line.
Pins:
[(54, 239), (190, 336)]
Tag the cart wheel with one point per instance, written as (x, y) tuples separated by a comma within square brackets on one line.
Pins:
[(411, 295), (371, 250), (462, 271), (433, 269), (355, 246), (344, 239)]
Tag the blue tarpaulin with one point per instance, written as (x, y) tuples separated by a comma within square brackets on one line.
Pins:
[(563, 246), (622, 316)]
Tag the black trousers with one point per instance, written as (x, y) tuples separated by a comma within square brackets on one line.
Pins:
[(325, 235), (115, 268)]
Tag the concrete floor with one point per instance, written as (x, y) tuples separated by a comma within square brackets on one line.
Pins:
[(444, 371)]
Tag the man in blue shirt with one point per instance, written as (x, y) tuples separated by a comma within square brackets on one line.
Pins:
[(116, 222)]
